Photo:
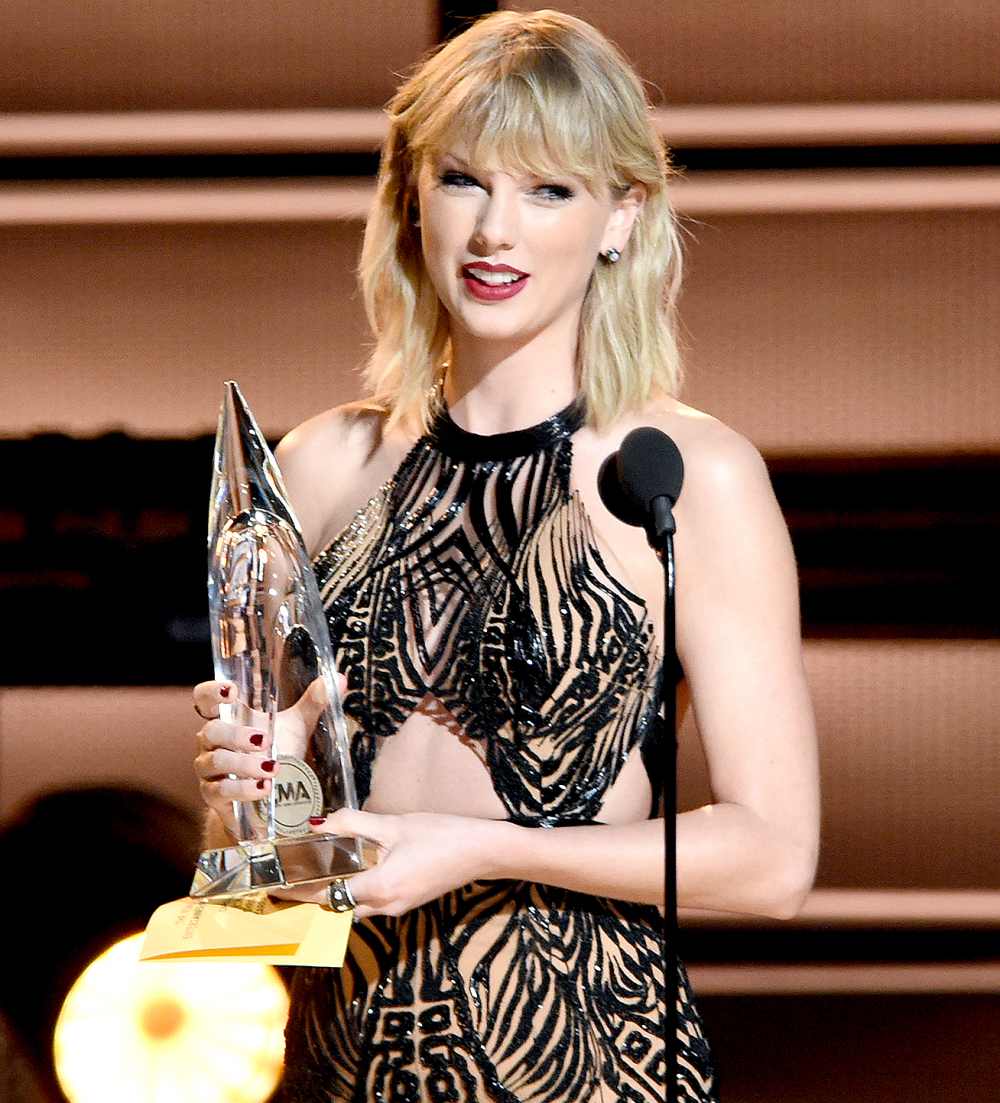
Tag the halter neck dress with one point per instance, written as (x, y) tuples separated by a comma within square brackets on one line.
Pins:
[(474, 578)]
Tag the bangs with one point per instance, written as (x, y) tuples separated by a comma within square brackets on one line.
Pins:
[(535, 119)]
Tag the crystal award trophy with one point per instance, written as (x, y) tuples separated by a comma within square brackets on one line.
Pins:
[(270, 638)]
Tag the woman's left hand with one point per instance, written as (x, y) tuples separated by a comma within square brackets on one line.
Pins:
[(422, 855)]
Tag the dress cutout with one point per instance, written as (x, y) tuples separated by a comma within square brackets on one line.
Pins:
[(474, 578)]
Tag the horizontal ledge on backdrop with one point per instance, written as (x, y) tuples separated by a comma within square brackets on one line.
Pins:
[(157, 202), (41, 134), (831, 191), (321, 199), (873, 908), (845, 979), (61, 134), (829, 124)]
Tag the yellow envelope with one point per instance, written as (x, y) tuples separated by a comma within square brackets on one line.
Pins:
[(248, 928)]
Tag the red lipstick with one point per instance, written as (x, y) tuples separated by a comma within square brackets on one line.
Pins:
[(487, 292)]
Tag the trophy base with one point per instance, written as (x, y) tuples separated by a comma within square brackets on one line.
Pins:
[(254, 866)]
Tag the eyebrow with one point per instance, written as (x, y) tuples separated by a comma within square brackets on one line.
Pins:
[(538, 176)]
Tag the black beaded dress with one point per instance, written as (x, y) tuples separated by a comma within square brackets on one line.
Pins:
[(474, 578)]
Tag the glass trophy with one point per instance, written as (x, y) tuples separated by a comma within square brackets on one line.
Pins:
[(270, 638)]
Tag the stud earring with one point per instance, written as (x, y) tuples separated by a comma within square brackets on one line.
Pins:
[(612, 255)]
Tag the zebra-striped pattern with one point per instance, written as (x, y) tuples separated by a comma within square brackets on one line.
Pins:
[(474, 578)]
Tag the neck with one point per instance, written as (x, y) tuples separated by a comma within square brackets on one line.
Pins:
[(493, 387)]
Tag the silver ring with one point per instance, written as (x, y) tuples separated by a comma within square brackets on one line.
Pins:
[(340, 897)]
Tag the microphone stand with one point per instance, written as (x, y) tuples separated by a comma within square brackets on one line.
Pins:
[(639, 485), (660, 532)]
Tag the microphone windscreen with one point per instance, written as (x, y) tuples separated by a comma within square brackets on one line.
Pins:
[(649, 465), (615, 500)]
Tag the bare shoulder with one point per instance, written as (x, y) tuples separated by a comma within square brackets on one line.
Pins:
[(352, 430), (725, 476), (730, 527), (719, 463), (323, 463), (726, 498), (727, 508)]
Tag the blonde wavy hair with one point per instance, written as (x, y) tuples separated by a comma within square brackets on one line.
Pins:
[(541, 93)]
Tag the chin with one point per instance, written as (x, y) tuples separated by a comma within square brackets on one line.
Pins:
[(511, 335), (496, 328)]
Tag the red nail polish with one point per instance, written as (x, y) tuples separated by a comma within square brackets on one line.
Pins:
[(257, 739), (261, 783), (317, 820), (269, 766), (224, 691)]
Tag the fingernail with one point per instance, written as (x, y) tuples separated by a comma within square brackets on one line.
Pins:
[(257, 739), (317, 820), (269, 766), (224, 691), (261, 783)]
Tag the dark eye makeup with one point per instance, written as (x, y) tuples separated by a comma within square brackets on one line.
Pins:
[(463, 179)]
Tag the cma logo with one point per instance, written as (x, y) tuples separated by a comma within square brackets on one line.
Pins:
[(297, 795), (292, 792)]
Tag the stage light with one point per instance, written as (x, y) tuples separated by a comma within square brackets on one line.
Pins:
[(138, 850), (162, 1031)]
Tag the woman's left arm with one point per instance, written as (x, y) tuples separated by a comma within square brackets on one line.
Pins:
[(739, 642)]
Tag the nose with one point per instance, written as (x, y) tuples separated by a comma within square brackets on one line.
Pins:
[(496, 228)]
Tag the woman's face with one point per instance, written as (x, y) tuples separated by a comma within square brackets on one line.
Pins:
[(548, 230)]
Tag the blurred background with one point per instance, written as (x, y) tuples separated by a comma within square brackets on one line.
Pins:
[(182, 192)]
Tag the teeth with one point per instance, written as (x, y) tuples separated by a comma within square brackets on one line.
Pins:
[(493, 278)]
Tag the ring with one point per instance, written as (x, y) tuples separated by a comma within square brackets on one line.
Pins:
[(340, 896), (201, 714)]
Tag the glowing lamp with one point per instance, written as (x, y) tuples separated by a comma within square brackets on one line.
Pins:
[(161, 1031)]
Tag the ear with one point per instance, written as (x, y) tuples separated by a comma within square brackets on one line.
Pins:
[(623, 215)]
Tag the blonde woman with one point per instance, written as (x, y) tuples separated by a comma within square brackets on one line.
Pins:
[(499, 629)]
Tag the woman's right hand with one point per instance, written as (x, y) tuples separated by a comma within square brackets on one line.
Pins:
[(234, 761)]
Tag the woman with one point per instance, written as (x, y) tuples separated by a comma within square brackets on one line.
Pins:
[(499, 629)]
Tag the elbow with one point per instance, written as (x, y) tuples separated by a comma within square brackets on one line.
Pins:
[(789, 906), (797, 883)]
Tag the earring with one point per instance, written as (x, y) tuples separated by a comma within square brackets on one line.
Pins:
[(612, 256)]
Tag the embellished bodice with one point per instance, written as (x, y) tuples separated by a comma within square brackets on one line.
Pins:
[(473, 579)]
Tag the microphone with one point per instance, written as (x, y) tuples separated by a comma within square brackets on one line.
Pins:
[(640, 483)]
